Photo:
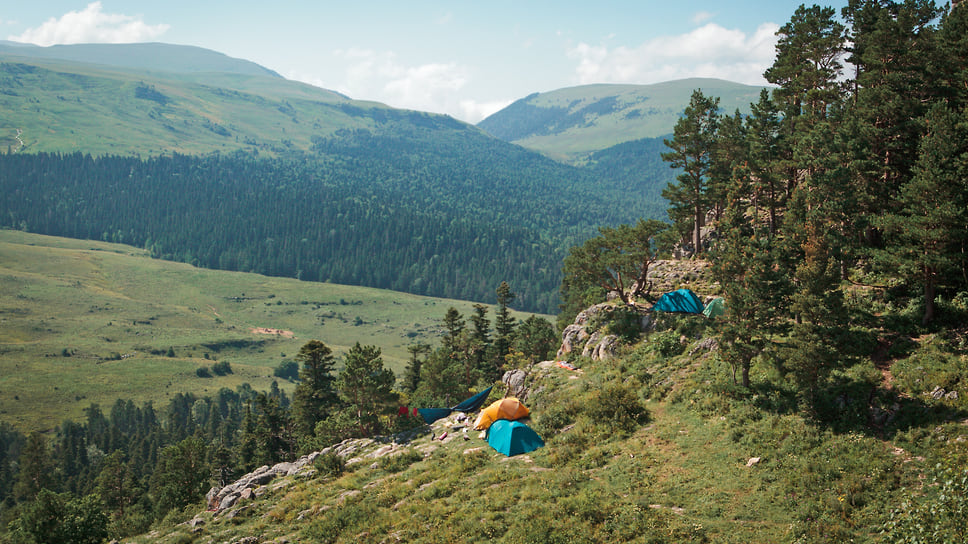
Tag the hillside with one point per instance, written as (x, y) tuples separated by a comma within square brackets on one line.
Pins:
[(85, 322), (573, 122), (218, 147), (156, 57), (654, 445), (151, 99)]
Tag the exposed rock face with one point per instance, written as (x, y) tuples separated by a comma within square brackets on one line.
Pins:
[(515, 380), (578, 335), (583, 334), (222, 499)]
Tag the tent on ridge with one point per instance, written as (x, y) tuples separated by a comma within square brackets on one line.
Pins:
[(715, 308), (680, 300), (513, 437), (507, 408), (430, 415)]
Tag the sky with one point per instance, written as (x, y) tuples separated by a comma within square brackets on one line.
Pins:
[(462, 58)]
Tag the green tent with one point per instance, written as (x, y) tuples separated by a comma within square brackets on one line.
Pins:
[(512, 437), (715, 308)]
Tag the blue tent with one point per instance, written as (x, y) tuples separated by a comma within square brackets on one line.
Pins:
[(680, 300), (470, 405), (512, 437)]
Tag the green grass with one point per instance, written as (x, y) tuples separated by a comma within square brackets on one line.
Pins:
[(84, 322), (641, 111), (682, 474), (66, 106)]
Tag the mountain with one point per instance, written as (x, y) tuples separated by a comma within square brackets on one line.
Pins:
[(570, 123), (157, 57), (150, 99), (256, 173)]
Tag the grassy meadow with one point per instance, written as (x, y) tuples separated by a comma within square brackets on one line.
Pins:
[(86, 322)]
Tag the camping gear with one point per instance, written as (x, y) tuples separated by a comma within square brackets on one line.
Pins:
[(474, 403), (680, 300), (715, 308), (433, 414), (566, 365), (470, 405), (508, 408), (513, 437)]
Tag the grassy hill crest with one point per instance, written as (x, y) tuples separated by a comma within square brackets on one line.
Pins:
[(572, 122), (152, 99)]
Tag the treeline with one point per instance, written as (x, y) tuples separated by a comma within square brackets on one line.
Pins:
[(115, 473), (834, 186), (400, 208)]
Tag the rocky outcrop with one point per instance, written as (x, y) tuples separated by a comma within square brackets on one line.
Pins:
[(254, 483), (516, 382), (585, 336)]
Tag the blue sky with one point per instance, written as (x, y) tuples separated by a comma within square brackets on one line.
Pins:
[(466, 59)]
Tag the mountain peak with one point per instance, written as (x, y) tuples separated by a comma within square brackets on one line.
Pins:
[(159, 56)]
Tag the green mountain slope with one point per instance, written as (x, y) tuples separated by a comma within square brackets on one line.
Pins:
[(150, 99), (653, 446), (449, 210), (570, 123), (157, 57), (86, 322)]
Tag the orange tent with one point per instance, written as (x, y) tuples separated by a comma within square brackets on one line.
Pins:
[(509, 408)]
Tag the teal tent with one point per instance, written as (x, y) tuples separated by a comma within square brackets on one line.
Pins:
[(512, 437), (680, 300), (715, 308)]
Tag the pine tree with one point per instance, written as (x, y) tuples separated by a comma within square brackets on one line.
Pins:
[(929, 233), (692, 145), (366, 386), (412, 374), (315, 396), (503, 327)]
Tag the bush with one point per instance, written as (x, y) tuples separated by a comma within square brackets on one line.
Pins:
[(400, 461), (287, 370), (203, 372), (626, 324), (666, 343), (330, 465), (618, 406), (222, 368)]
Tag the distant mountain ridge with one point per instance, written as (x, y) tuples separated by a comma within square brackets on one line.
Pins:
[(142, 56), (573, 122)]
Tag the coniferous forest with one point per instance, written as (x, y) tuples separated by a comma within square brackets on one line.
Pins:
[(396, 210), (831, 215)]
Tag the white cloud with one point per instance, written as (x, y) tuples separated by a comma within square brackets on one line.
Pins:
[(708, 51), (474, 112), (701, 17), (91, 26), (383, 77)]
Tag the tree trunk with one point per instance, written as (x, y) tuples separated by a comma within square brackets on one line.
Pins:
[(930, 290)]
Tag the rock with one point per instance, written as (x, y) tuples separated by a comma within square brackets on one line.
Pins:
[(591, 344), (210, 498), (753, 461), (606, 348), (937, 393), (707, 344), (515, 382)]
